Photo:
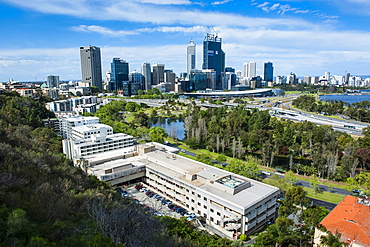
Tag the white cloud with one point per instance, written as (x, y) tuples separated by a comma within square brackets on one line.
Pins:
[(121, 33), (165, 2), (132, 11), (303, 52), (102, 30), (167, 29), (279, 8), (221, 2)]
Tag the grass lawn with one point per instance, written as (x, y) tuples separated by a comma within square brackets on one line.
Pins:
[(325, 196)]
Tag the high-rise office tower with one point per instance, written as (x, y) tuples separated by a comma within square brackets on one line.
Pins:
[(191, 56), (169, 76), (245, 69), (214, 56), (147, 74), (136, 76), (119, 73), (52, 81), (268, 71), (158, 74), (252, 70), (198, 80), (91, 66), (346, 77)]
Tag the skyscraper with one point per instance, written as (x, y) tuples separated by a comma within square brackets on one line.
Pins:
[(147, 74), (52, 81), (268, 71), (91, 66), (214, 56), (245, 69), (252, 71), (119, 73), (191, 56), (158, 73)]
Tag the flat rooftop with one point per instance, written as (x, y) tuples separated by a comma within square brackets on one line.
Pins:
[(184, 170), (180, 166)]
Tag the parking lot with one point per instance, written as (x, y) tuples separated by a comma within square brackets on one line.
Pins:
[(155, 203)]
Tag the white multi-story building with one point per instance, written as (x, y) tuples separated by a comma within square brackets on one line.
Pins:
[(70, 105), (67, 123), (231, 203), (93, 139)]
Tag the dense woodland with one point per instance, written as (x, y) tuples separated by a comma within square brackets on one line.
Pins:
[(302, 147), (359, 111), (44, 201)]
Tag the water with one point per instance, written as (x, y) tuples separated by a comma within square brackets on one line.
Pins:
[(350, 98), (174, 127)]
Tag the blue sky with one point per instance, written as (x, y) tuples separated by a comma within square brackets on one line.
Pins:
[(42, 37)]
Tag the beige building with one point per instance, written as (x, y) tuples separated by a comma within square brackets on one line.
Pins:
[(229, 202)]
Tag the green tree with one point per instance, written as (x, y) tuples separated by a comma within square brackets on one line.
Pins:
[(315, 184), (157, 134), (221, 158)]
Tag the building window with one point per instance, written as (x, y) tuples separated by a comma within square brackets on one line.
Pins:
[(211, 210), (205, 207), (198, 203), (199, 196), (211, 219), (187, 198), (218, 213), (193, 193), (205, 215), (192, 200), (205, 198), (198, 212)]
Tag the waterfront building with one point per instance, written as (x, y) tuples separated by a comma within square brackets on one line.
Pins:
[(214, 57), (190, 55), (91, 66)]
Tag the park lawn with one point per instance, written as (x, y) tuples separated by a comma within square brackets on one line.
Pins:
[(325, 196)]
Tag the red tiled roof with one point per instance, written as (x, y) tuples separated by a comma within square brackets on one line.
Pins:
[(351, 219)]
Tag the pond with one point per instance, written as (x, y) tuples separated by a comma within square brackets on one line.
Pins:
[(173, 127)]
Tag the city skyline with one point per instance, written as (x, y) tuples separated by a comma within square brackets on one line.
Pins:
[(305, 37)]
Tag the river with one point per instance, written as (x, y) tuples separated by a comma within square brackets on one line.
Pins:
[(349, 98)]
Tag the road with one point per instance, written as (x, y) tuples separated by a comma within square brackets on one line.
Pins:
[(337, 124)]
